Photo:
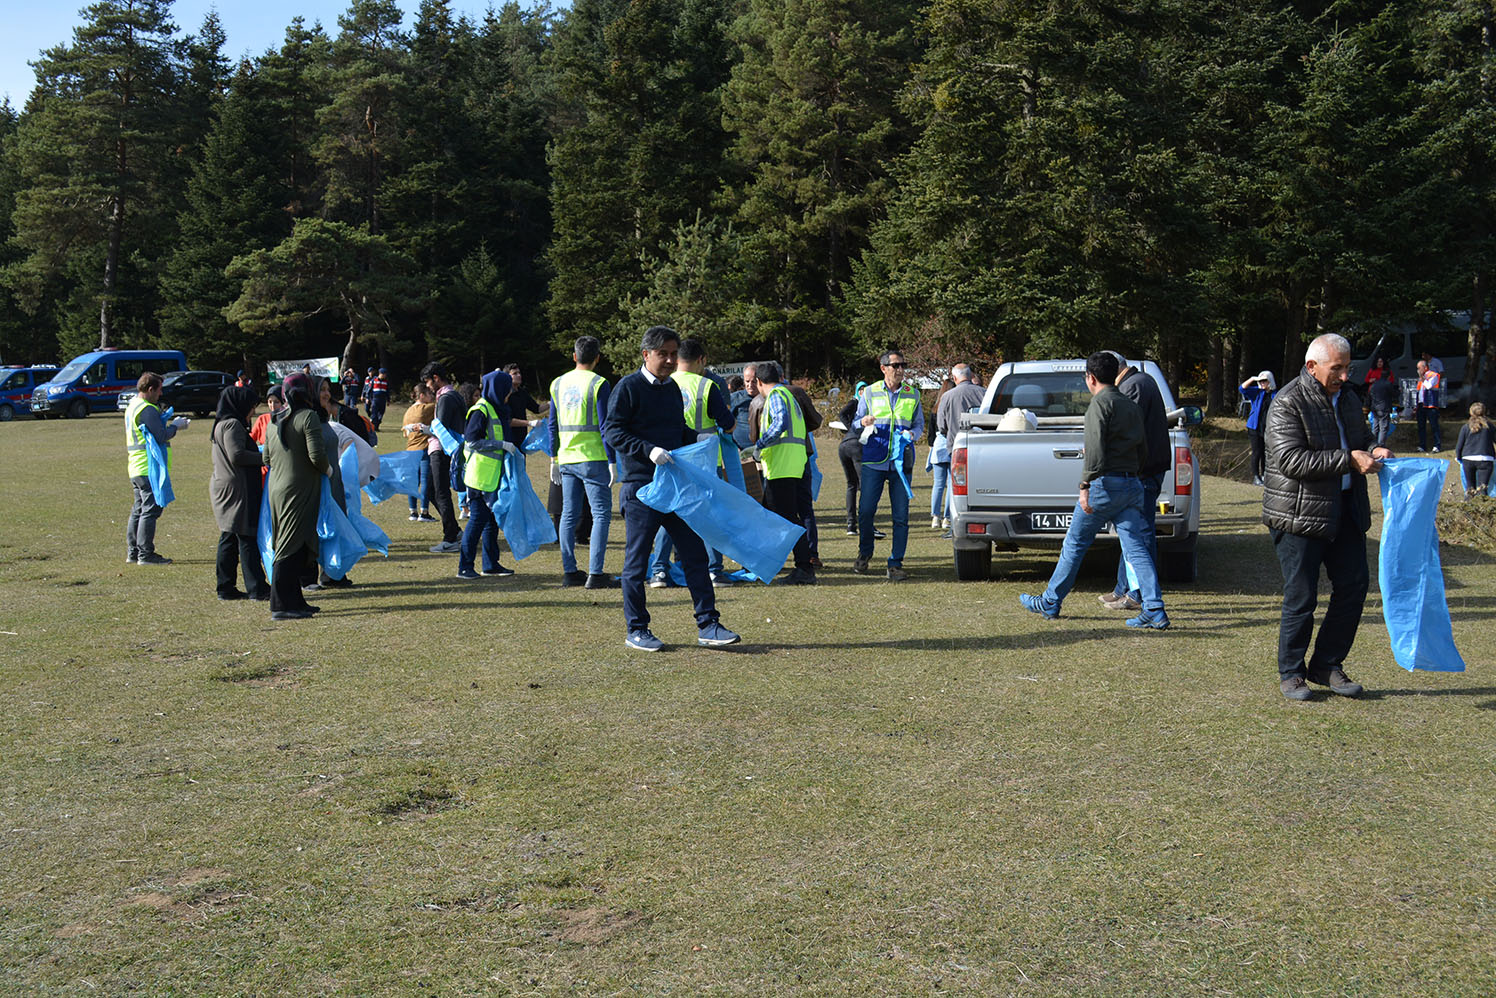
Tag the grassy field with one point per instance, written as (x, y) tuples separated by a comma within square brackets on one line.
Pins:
[(447, 788)]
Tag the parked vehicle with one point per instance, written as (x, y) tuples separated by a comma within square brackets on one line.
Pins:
[(1015, 488), (195, 391), (93, 381), (1403, 346), (16, 387)]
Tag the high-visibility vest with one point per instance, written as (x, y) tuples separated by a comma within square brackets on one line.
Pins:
[(897, 408), (482, 471), (578, 426), (694, 391), (785, 457), (136, 459), (378, 384)]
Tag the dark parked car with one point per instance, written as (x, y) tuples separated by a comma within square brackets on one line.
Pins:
[(187, 391)]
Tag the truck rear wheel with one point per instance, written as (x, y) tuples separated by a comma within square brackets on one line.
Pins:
[(974, 564), (1179, 564)]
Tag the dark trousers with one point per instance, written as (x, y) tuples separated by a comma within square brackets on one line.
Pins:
[(850, 452), (236, 551), (1344, 562), (285, 578), (1477, 475), (1428, 414), (808, 513), (782, 495), (377, 402), (1259, 453), (640, 524), (441, 493)]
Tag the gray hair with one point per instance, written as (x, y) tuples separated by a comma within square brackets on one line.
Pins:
[(961, 372), (1325, 347)]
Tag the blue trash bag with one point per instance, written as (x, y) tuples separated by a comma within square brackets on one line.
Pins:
[(1412, 579), (157, 470), (399, 474), (374, 538), (263, 533), (732, 461), (538, 439), (896, 458), (815, 473), (339, 547), (725, 518), (451, 443), (527, 526), (677, 575)]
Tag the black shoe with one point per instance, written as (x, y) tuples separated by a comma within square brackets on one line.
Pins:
[(1294, 688), (603, 581), (878, 535), (152, 559), (499, 571), (860, 566), (260, 597), (343, 583), (851, 530), (800, 577), (570, 580), (232, 594), (312, 587), (290, 615), (1338, 682), (896, 574)]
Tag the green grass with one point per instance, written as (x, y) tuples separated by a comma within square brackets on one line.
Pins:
[(475, 789)]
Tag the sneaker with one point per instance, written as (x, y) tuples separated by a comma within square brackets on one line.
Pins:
[(499, 571), (1150, 621), (659, 580), (468, 574), (945, 523), (934, 523), (800, 577), (572, 579), (851, 530), (426, 517), (1338, 682), (413, 517), (1036, 604), (947, 536), (131, 558), (233, 594), (1421, 451), (643, 640), (860, 566), (312, 587), (1113, 601), (878, 535), (1257, 481), (602, 580), (152, 559), (896, 574), (1294, 688), (463, 513), (721, 581), (290, 614), (714, 635), (446, 547), (1436, 450), (343, 583)]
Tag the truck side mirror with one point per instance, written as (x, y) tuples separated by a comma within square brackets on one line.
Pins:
[(1192, 415)]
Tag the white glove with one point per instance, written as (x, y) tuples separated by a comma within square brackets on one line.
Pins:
[(612, 475), (534, 423), (660, 455), (409, 427), (706, 435), (510, 448), (555, 474), (908, 435), (867, 432), (181, 423)]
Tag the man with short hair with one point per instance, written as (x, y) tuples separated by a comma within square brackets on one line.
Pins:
[(450, 413), (143, 416), (783, 447), (1315, 506), (521, 403), (1134, 383), (644, 423), (885, 409), (964, 397), (583, 465), (1428, 405), (1115, 450)]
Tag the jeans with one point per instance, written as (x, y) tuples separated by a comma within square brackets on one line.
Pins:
[(782, 495), (441, 493), (941, 472), (585, 481), (1477, 475), (873, 480), (1344, 562), (1117, 500), (1152, 486), (1381, 426), (423, 482), (481, 530), (640, 525), (240, 551), (140, 530), (1428, 414)]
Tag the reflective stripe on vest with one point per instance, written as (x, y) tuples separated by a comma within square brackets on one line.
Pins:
[(578, 428), (693, 392), (896, 407), (482, 471), (136, 459), (785, 457)]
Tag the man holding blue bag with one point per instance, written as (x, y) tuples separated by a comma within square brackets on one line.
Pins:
[(887, 410), (143, 416)]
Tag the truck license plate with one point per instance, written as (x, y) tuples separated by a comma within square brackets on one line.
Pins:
[(1049, 521)]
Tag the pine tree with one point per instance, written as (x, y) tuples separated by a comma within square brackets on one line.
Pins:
[(296, 86)]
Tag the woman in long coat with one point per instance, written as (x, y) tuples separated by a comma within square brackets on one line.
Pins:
[(298, 463), (235, 490)]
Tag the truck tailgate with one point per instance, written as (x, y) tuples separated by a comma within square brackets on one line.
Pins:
[(1039, 469)]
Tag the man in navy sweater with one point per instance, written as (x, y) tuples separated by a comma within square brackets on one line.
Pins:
[(645, 422)]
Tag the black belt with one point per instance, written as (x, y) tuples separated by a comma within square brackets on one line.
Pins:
[(1118, 474)]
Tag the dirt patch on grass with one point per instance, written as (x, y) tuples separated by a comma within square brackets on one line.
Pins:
[(1468, 523), (274, 675), (597, 926), (75, 930), (189, 894)]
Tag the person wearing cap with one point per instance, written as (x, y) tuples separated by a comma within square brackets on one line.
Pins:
[(1116, 450), (242, 380), (1134, 383), (379, 396), (275, 399), (1258, 392)]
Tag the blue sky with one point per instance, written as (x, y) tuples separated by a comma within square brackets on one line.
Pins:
[(251, 28)]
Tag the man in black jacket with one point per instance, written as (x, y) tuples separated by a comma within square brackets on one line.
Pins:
[(1314, 502), (1134, 383), (645, 422), (450, 412)]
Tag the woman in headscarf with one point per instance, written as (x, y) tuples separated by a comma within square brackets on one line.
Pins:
[(298, 457), (235, 490), (315, 577), (483, 444)]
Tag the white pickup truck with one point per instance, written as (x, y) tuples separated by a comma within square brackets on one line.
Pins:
[(1016, 488)]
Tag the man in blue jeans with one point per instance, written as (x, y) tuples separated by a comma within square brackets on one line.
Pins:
[(1135, 383), (583, 465), (1110, 492), (885, 410)]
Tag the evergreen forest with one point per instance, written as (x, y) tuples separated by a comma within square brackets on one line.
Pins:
[(1206, 183)]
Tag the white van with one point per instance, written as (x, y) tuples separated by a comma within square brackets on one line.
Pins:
[(1403, 346)]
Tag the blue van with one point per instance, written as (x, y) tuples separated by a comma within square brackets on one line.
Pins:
[(92, 382), (16, 387)]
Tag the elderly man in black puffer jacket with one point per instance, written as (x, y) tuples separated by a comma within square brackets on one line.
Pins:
[(1319, 452)]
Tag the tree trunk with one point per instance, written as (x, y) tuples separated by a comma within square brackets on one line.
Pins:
[(1215, 368), (1475, 344), (1297, 316), (111, 263), (349, 347)]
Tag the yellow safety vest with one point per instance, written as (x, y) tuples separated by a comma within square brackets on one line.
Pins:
[(694, 391), (579, 429), (482, 471), (785, 457), (897, 408), (136, 459)]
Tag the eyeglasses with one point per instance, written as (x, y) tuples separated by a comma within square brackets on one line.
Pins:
[(897, 363)]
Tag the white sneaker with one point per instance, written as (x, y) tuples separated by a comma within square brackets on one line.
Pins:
[(945, 523), (934, 523)]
